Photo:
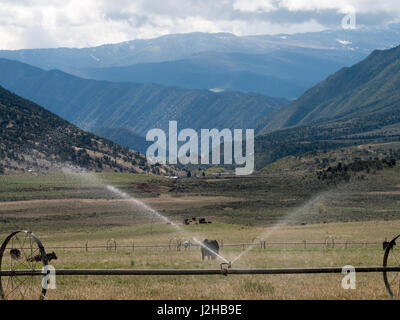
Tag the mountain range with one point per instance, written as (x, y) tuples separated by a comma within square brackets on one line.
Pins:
[(356, 105), (275, 74), (276, 65), (93, 105), (369, 87)]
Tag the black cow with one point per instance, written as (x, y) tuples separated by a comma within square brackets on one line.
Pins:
[(15, 254), (210, 249), (37, 258), (386, 243)]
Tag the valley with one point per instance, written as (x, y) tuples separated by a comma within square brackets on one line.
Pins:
[(70, 213), (325, 191)]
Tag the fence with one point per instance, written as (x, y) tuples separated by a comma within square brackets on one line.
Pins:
[(179, 245)]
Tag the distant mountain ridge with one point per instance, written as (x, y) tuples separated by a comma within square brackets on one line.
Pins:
[(369, 87), (181, 46), (275, 74), (219, 60), (92, 104)]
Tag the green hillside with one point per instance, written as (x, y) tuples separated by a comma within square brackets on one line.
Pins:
[(369, 87), (308, 139), (34, 139)]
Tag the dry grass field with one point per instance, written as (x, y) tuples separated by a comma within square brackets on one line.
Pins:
[(369, 286), (70, 211)]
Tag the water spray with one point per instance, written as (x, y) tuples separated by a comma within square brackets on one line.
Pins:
[(305, 208), (138, 203)]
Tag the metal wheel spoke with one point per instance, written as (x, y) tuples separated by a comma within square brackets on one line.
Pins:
[(15, 287), (394, 256), (22, 249), (395, 277), (26, 247), (29, 286)]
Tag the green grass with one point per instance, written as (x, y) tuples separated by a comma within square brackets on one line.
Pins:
[(61, 186)]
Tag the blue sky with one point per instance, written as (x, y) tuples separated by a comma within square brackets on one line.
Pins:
[(81, 23)]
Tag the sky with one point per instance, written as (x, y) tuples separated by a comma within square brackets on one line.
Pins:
[(85, 23)]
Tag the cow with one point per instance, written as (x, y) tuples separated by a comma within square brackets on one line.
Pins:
[(15, 254), (38, 258), (386, 244), (210, 249)]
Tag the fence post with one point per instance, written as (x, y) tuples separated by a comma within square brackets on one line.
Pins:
[(305, 244)]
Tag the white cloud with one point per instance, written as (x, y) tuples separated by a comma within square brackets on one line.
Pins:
[(254, 5), (361, 6), (80, 23)]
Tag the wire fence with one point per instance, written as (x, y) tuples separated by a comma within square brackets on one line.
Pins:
[(181, 245)]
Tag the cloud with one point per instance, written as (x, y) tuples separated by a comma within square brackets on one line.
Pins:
[(77, 23), (254, 5)]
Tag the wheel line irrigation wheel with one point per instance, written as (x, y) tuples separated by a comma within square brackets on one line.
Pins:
[(22, 250), (392, 258)]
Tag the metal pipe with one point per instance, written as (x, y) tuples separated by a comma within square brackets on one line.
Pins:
[(165, 272), (197, 245)]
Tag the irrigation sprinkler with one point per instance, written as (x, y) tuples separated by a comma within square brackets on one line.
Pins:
[(111, 244), (177, 245), (23, 262), (192, 272), (330, 242), (23, 251), (392, 256)]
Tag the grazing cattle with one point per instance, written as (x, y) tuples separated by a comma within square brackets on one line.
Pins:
[(15, 254), (37, 258), (386, 243), (209, 249)]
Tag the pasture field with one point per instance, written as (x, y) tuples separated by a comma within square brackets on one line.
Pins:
[(75, 210), (369, 286)]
